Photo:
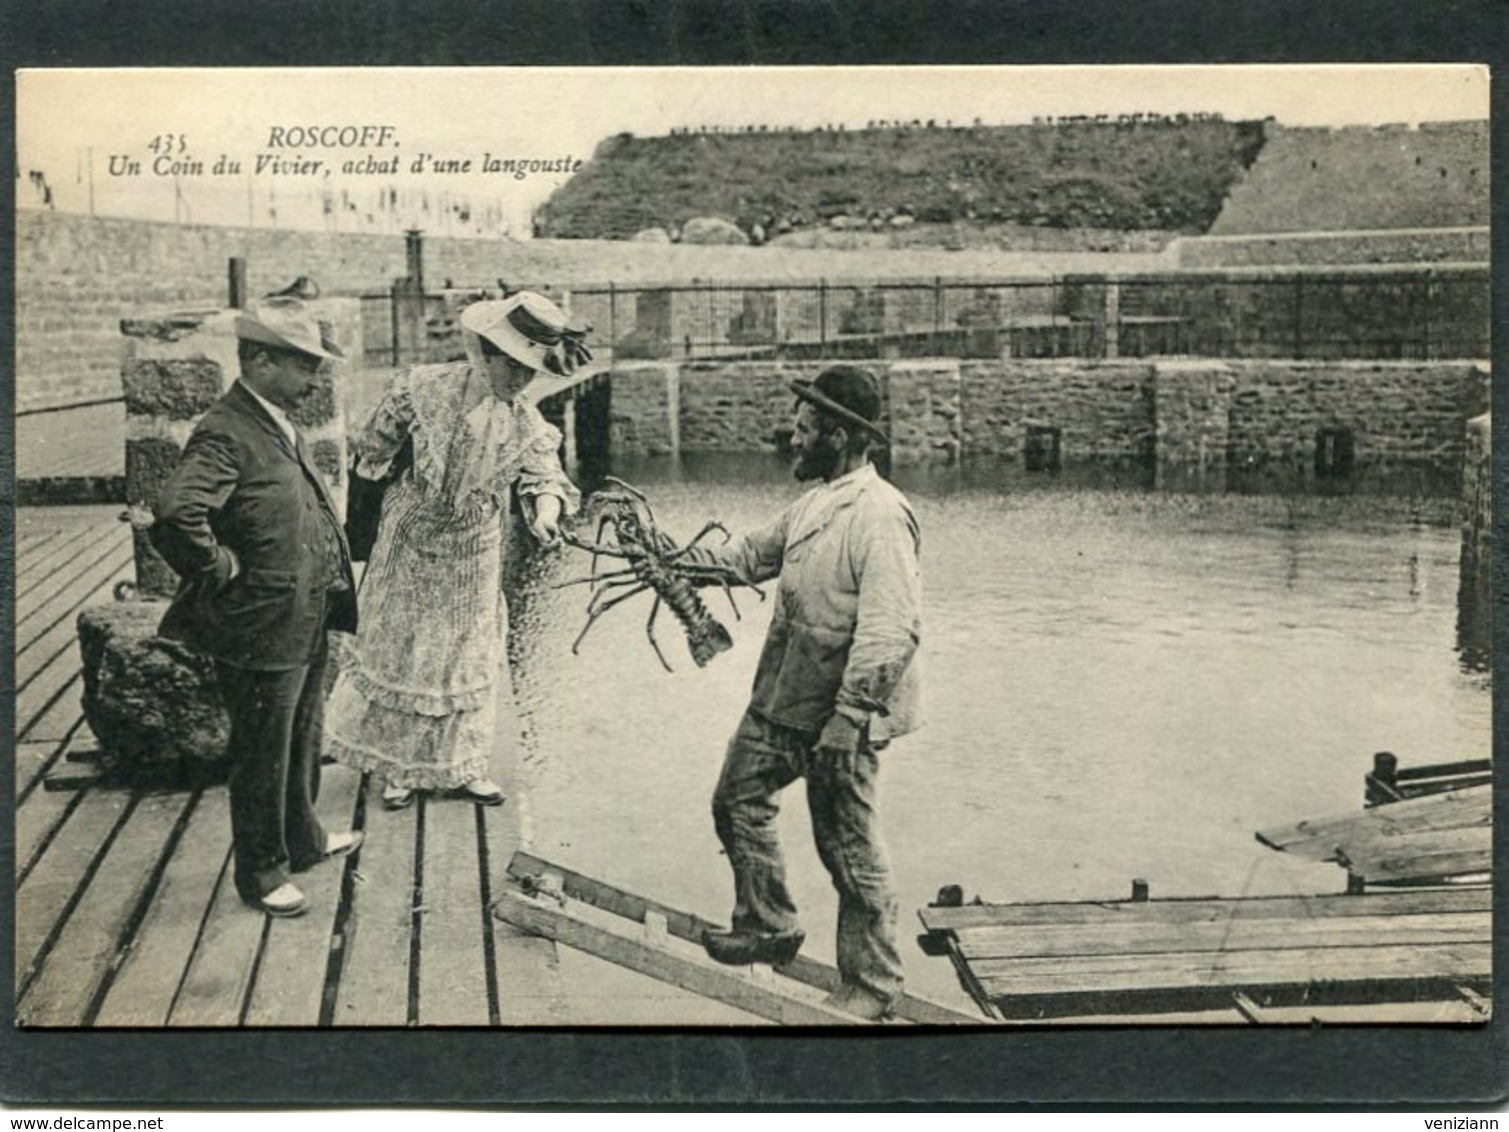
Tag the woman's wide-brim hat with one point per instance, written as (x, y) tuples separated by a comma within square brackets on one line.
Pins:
[(287, 324), (849, 393), (527, 327)]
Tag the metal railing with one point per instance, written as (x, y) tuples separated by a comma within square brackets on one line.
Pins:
[(1375, 312)]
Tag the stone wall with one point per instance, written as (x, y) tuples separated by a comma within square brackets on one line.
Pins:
[(1412, 245), (644, 409), (1395, 413), (1101, 410), (740, 406), (1192, 422), (1189, 419)]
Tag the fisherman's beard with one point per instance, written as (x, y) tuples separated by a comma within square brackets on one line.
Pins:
[(819, 462)]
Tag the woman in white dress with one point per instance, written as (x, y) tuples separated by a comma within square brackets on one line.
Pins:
[(416, 705)]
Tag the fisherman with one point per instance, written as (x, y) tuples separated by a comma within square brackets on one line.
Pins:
[(835, 683)]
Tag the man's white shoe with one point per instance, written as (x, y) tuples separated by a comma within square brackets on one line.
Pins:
[(285, 900)]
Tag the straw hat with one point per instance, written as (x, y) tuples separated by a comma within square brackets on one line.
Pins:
[(287, 324), (527, 327)]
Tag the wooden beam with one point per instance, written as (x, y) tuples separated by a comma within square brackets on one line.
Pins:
[(1148, 938), (688, 926), (1478, 898), (1318, 839), (375, 976), (725, 984), (1362, 967)]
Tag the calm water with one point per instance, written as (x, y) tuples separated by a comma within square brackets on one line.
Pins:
[(1118, 684)]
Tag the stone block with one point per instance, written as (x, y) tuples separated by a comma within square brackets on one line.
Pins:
[(150, 460), (153, 704), (177, 388)]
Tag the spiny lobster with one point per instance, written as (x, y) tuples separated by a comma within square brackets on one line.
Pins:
[(651, 558)]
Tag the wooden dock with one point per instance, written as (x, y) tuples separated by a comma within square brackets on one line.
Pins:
[(1390, 956), (1420, 953), (1420, 825), (125, 913)]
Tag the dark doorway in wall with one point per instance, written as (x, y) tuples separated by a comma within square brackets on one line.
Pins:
[(1334, 453), (1042, 448)]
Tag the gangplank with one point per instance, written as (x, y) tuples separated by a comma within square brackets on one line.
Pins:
[(643, 935)]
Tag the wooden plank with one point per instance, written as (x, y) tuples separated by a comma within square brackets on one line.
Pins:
[(58, 718), (90, 945), (1366, 967), (1480, 1005), (1442, 770), (700, 976), (688, 926), (525, 969), (142, 992), (374, 978), (452, 970), (29, 544), (1425, 866), (1432, 1012), (1461, 839), (1213, 909), (62, 549), (1317, 839), (290, 984), (46, 898), (1142, 938), (55, 621), (35, 757), (61, 635), (72, 584), (224, 963), (60, 682), (38, 818)]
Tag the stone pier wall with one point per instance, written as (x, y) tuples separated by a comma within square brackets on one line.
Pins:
[(1475, 583), (1182, 417)]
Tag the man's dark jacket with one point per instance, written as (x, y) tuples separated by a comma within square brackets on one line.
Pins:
[(243, 486)]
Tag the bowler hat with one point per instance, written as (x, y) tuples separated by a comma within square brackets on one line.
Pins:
[(847, 392), (529, 328), (287, 324)]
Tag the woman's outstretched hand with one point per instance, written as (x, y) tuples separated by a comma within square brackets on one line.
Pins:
[(546, 525)]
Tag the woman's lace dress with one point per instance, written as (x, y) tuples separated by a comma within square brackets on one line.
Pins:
[(416, 701)]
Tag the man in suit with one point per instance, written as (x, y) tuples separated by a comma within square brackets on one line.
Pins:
[(248, 524)]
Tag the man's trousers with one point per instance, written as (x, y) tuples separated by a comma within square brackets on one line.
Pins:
[(762, 759), (274, 755)]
